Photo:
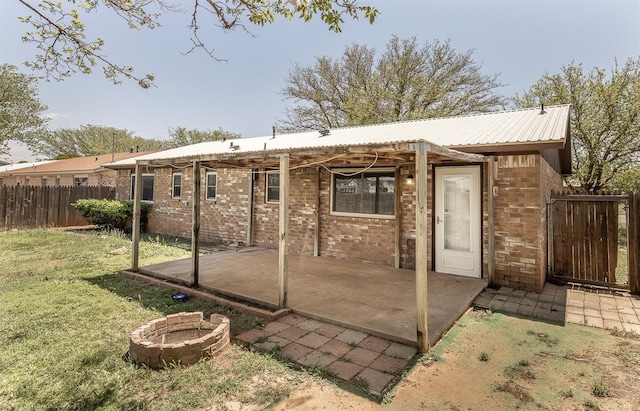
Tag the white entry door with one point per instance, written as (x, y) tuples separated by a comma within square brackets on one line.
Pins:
[(458, 248)]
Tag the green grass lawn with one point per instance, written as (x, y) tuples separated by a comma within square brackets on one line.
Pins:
[(65, 319), (622, 269)]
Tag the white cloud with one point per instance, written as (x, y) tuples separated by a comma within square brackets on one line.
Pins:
[(54, 116)]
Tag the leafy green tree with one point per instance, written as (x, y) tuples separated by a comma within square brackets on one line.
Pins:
[(627, 181), (180, 136), (20, 108), (90, 140), (408, 81), (59, 32), (605, 118)]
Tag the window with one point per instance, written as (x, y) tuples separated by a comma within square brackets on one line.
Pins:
[(44, 181), (371, 192), (176, 185), (80, 181), (273, 187), (212, 186), (147, 187)]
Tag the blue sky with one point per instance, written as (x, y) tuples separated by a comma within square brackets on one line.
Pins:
[(520, 39)]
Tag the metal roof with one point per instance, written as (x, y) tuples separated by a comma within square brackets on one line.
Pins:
[(516, 127)]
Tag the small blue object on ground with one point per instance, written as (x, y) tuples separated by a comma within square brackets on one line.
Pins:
[(182, 297)]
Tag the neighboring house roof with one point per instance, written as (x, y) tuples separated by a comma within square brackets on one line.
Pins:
[(477, 133), (88, 164), (18, 166)]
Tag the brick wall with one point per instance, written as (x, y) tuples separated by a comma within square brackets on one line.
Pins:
[(344, 237), (524, 184), (265, 215), (123, 184), (408, 216), (223, 218)]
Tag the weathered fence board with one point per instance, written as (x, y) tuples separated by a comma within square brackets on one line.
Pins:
[(584, 237), (50, 206), (633, 241)]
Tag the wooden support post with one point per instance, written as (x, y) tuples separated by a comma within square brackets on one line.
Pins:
[(316, 232), (283, 247), (491, 219), (250, 211), (195, 225), (422, 251), (135, 223), (398, 214)]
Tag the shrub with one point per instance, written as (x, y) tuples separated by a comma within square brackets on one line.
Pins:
[(110, 213)]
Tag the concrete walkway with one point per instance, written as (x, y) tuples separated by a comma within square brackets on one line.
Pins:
[(575, 303)]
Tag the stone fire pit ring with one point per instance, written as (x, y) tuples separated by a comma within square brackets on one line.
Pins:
[(182, 338)]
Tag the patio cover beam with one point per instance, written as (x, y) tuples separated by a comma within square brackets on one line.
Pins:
[(454, 154), (310, 155)]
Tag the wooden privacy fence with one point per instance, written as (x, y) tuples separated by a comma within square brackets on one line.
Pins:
[(586, 239), (48, 206)]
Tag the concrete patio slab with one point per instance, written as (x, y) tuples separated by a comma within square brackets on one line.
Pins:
[(370, 298)]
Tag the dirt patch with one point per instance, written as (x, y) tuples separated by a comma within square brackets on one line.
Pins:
[(491, 361)]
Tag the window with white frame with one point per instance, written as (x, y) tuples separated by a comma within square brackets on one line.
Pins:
[(176, 185), (273, 187), (212, 185), (371, 192), (147, 187)]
